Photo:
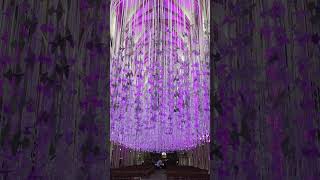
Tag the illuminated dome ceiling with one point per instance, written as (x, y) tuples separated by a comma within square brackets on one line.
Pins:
[(160, 74)]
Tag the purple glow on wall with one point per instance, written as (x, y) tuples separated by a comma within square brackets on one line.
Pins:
[(160, 74)]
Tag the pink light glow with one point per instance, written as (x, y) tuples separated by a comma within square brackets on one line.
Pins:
[(159, 75)]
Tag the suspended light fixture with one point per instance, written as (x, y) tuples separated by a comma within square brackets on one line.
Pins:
[(159, 74)]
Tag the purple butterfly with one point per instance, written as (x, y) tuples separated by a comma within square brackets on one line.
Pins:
[(303, 38), (277, 10), (69, 137), (5, 37), (311, 151), (4, 61), (315, 38), (266, 31), (47, 28), (8, 12), (24, 6), (24, 32), (30, 106), (45, 59)]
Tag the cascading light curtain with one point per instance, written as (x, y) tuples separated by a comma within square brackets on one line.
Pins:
[(160, 74)]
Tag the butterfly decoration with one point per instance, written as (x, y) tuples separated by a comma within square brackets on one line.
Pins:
[(44, 118), (31, 24), (45, 59), (8, 11), (168, 30), (17, 142), (286, 147), (30, 106), (266, 31), (63, 69), (277, 9), (122, 49), (60, 41), (272, 55), (228, 20), (5, 38), (216, 151), (310, 151), (196, 52), (217, 104), (245, 131), (96, 44), (5, 129), (315, 38), (241, 9), (315, 12), (46, 79), (47, 28), (216, 57), (248, 10), (282, 97), (234, 137), (10, 75), (302, 38), (52, 151), (59, 11), (69, 37)]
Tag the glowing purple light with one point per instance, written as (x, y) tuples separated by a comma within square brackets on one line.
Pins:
[(159, 74)]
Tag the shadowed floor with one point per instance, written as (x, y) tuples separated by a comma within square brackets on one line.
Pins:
[(157, 175)]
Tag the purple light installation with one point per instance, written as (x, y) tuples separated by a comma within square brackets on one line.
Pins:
[(160, 74)]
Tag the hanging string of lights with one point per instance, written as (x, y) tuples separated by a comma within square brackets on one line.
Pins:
[(160, 74)]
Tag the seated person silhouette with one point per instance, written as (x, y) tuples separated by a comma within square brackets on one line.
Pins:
[(159, 164)]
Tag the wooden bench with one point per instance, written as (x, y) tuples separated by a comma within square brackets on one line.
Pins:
[(187, 173), (131, 172)]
